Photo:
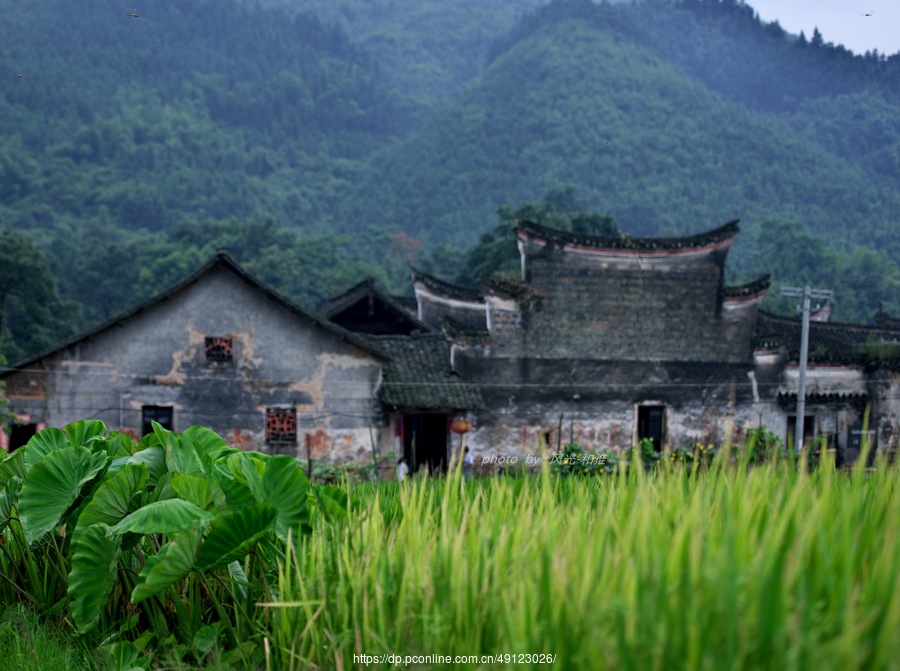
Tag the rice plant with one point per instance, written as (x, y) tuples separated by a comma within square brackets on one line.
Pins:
[(721, 567)]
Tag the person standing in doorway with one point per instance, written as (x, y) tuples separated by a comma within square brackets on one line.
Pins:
[(402, 469), (468, 463)]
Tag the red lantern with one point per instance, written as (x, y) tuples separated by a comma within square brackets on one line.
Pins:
[(460, 426)]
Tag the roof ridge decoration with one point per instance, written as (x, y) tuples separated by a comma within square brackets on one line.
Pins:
[(220, 258), (758, 286), (445, 288), (506, 287), (347, 298), (557, 236)]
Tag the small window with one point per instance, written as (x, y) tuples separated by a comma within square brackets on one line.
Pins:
[(281, 425), (651, 424), (155, 413), (219, 350)]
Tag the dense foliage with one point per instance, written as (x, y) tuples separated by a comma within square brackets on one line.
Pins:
[(428, 49), (173, 539), (406, 125), (203, 109), (179, 550)]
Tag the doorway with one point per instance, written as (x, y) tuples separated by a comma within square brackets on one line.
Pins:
[(809, 425), (425, 441), (651, 424)]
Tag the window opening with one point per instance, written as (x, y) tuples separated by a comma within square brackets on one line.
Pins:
[(20, 434), (651, 424), (281, 425), (219, 350), (161, 414)]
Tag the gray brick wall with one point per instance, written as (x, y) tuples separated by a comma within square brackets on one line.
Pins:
[(623, 314)]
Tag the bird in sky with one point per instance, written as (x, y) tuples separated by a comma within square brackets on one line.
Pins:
[(609, 142), (17, 74), (134, 14), (869, 14)]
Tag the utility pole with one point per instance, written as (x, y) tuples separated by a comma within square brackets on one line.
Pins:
[(807, 293)]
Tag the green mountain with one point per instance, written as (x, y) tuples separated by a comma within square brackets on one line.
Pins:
[(324, 141), (427, 49), (588, 103), (204, 108)]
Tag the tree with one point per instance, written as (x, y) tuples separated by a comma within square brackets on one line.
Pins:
[(498, 252), (32, 315)]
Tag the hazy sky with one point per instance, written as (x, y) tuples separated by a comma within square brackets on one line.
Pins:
[(839, 21)]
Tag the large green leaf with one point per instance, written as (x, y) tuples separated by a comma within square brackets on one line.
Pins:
[(13, 466), (193, 488), (162, 517), (110, 504), (154, 458), (85, 432), (237, 463), (181, 456), (234, 536), (174, 561), (52, 486), (285, 486), (149, 440), (122, 656), (165, 436), (210, 442), (332, 502), (93, 574), (43, 443), (237, 495), (117, 445), (8, 497)]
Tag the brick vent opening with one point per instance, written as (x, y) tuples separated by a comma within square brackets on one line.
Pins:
[(219, 350), (281, 425)]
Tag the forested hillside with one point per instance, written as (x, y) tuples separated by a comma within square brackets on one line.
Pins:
[(194, 109), (320, 141), (428, 49)]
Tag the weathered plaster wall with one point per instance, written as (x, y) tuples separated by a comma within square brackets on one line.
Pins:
[(158, 358), (598, 400)]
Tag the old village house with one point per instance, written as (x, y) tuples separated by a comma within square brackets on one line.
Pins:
[(599, 341)]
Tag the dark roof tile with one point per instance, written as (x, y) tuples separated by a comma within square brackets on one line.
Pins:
[(447, 289), (419, 376), (720, 234)]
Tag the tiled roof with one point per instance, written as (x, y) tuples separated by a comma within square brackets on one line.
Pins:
[(828, 341), (446, 289), (753, 288), (337, 304), (789, 400), (408, 303), (468, 335), (419, 376), (714, 236), (220, 259), (505, 286), (884, 319)]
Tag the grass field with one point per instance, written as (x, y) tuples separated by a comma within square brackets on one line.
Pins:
[(728, 567)]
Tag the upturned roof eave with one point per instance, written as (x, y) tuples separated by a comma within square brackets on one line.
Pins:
[(714, 237)]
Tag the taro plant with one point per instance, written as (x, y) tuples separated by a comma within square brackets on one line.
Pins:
[(171, 538)]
